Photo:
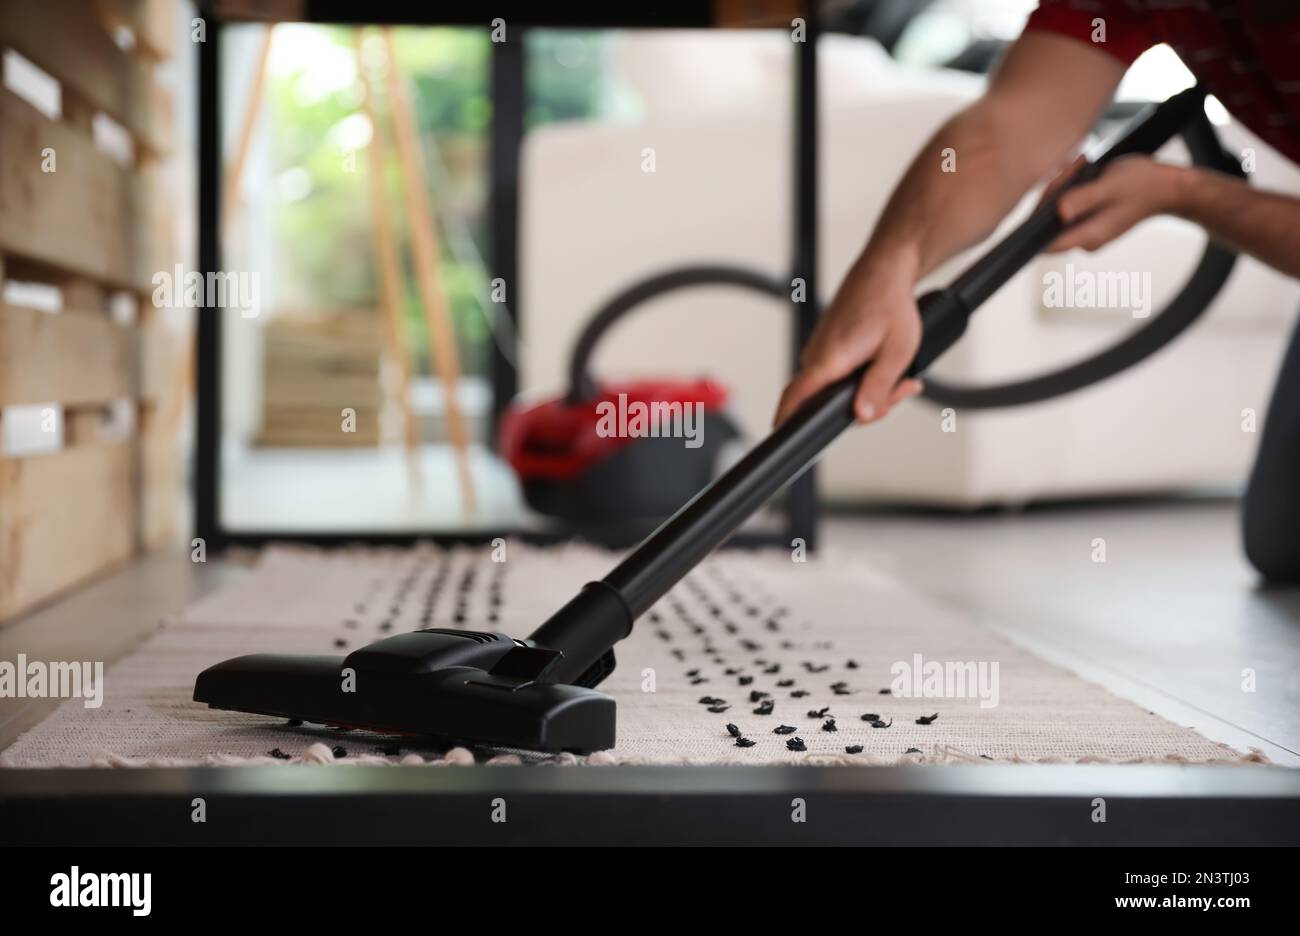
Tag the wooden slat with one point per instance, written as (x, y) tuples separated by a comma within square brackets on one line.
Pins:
[(67, 39), (87, 217), (389, 263), (150, 21), (160, 355), (327, 391), (73, 358), (63, 518), (161, 480), (425, 255)]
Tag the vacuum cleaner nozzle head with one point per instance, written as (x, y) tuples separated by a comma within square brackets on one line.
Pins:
[(453, 685)]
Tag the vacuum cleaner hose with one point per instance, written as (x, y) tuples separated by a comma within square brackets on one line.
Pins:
[(1182, 115), (581, 385)]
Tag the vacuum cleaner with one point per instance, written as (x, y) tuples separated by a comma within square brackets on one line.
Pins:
[(538, 693), (615, 489)]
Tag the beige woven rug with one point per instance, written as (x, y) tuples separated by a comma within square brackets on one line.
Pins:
[(824, 661)]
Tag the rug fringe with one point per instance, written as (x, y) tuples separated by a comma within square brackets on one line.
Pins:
[(321, 754)]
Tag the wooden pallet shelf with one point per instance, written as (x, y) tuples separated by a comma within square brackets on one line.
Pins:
[(315, 366), (91, 225)]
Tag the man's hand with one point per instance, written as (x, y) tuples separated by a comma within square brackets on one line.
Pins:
[(873, 318), (1045, 94), (1128, 190)]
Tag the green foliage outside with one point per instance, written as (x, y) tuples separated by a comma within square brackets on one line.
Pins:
[(323, 236)]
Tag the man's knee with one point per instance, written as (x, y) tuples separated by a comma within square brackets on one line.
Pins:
[(1271, 538)]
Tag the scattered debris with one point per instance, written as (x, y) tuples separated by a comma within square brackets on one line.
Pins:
[(799, 693), (927, 719), (886, 692), (339, 751), (773, 669), (850, 664), (784, 683), (829, 725), (878, 723), (340, 642), (759, 695), (278, 754), (766, 708), (733, 730), (745, 742), (815, 667), (784, 729), (795, 744), (853, 749), (986, 757), (698, 680), (718, 709), (745, 680), (819, 713), (912, 750), (871, 716)]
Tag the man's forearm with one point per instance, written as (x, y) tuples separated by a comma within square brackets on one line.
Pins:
[(1265, 225), (953, 195)]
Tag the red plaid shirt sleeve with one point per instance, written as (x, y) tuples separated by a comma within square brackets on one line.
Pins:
[(1126, 35)]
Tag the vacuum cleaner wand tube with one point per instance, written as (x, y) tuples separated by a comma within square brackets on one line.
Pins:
[(602, 613)]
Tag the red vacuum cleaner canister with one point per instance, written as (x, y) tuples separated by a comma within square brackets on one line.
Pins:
[(628, 455)]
